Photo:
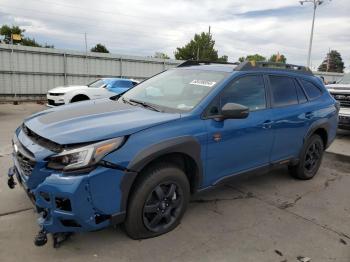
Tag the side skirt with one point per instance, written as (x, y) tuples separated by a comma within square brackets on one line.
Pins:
[(252, 172)]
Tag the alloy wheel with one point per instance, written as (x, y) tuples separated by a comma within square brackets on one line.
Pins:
[(312, 157), (162, 207)]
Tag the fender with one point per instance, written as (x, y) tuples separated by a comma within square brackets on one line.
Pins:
[(320, 124), (186, 145)]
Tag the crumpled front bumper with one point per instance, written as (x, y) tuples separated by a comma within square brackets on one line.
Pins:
[(75, 203)]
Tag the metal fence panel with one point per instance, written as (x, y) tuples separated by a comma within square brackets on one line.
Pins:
[(33, 71)]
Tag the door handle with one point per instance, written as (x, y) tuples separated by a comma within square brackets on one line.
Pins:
[(309, 115), (267, 124)]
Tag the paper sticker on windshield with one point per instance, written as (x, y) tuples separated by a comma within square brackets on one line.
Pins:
[(203, 83)]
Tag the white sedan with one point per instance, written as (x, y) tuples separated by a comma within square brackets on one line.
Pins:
[(100, 88)]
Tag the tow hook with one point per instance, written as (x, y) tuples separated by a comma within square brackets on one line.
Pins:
[(10, 181), (57, 238), (41, 238)]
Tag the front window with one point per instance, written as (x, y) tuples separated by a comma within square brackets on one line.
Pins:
[(97, 83), (179, 90), (248, 91)]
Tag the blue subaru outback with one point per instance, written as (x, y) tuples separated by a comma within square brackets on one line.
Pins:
[(136, 158)]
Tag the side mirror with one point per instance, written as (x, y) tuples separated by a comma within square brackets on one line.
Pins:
[(234, 111)]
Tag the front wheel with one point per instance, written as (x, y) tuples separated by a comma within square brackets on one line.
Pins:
[(158, 202), (310, 159)]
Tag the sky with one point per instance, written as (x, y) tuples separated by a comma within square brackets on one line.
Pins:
[(136, 27)]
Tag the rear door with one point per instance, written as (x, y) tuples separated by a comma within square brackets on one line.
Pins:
[(291, 118)]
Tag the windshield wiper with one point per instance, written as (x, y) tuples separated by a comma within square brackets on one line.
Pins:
[(144, 104), (127, 101)]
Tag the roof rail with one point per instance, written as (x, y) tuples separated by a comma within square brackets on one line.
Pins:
[(253, 65), (203, 62)]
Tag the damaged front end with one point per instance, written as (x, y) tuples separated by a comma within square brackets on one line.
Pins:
[(67, 202)]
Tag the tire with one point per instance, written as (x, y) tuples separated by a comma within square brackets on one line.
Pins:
[(158, 203), (79, 98), (310, 159)]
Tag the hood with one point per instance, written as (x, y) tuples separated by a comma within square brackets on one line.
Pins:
[(94, 120), (64, 89)]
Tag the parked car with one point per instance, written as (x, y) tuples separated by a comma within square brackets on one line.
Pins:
[(100, 88), (136, 158), (341, 92)]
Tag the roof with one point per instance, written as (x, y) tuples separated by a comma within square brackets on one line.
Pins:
[(247, 66), (215, 67)]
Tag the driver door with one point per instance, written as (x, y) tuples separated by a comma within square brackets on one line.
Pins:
[(238, 145)]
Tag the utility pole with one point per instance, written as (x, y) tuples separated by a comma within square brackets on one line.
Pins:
[(315, 3), (86, 60)]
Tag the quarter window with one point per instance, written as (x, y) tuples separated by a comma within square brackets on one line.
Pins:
[(283, 91), (311, 90)]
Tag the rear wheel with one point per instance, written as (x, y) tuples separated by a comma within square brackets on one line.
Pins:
[(310, 159), (158, 202)]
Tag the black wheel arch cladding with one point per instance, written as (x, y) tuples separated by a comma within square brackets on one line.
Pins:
[(186, 145)]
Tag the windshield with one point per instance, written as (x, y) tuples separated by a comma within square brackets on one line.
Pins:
[(345, 79), (180, 89), (97, 83)]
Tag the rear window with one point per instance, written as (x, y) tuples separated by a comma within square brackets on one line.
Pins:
[(311, 90), (283, 91)]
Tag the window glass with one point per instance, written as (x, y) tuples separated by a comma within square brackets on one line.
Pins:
[(177, 89), (311, 90), (283, 91), (121, 83), (248, 91), (301, 95), (97, 83)]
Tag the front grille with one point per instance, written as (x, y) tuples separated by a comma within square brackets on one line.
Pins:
[(344, 100), (51, 102), (26, 163)]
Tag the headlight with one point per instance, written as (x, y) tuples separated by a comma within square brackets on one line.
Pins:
[(85, 156)]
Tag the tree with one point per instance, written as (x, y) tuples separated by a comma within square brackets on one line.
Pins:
[(160, 55), (201, 47), (255, 57), (7, 31), (30, 42), (99, 48), (278, 58), (332, 63)]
